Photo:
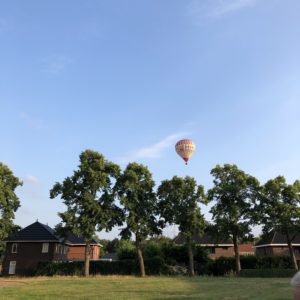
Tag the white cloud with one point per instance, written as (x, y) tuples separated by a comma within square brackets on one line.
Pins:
[(31, 121), (155, 150), (31, 179), (200, 9), (55, 64)]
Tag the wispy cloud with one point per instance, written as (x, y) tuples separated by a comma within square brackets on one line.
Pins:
[(55, 64), (153, 151), (31, 179), (32, 122), (201, 9)]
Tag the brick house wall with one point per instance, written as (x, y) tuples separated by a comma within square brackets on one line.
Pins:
[(77, 252), (29, 254), (218, 251), (277, 250)]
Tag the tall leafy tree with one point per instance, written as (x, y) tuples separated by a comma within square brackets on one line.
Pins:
[(9, 203), (279, 209), (135, 189), (234, 194), (88, 195), (178, 204)]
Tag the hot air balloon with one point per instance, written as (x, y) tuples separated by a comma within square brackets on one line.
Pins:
[(185, 148)]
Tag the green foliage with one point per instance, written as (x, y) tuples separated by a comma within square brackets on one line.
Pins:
[(279, 207), (9, 203), (268, 273), (234, 194), (135, 190), (178, 204), (89, 197), (154, 266), (126, 250)]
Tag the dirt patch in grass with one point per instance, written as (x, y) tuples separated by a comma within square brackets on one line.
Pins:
[(11, 282)]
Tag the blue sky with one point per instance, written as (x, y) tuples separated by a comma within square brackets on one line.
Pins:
[(130, 78)]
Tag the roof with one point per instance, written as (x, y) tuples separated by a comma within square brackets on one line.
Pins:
[(41, 232), (73, 239), (34, 232), (276, 238), (204, 240)]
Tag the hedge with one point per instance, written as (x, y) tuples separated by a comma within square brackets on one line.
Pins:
[(158, 265), (267, 273), (153, 266)]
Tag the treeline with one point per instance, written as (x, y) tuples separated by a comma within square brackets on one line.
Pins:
[(163, 257), (99, 195)]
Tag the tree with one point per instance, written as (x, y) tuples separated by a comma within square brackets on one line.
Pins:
[(9, 203), (278, 209), (234, 193), (88, 195), (135, 190), (178, 204)]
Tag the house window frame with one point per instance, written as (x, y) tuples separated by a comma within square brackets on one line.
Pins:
[(14, 248), (45, 248)]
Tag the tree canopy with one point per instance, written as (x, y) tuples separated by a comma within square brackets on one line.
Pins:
[(9, 202), (135, 189), (89, 197), (279, 209), (234, 194), (178, 204)]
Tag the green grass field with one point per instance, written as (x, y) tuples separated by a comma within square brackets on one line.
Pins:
[(117, 287)]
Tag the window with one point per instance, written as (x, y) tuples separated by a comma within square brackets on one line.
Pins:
[(45, 248), (14, 248), (211, 250)]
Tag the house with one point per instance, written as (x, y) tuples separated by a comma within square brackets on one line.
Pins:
[(77, 248), (216, 248), (275, 243), (35, 243)]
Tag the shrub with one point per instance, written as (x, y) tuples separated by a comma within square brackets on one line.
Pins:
[(126, 250), (248, 262)]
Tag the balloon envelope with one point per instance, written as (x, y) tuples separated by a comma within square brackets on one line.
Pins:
[(185, 149)]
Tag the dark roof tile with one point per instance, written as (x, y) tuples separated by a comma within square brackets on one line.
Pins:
[(34, 232)]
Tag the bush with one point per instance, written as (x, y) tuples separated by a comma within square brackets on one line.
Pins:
[(126, 250), (267, 273), (248, 262), (269, 262), (221, 266), (155, 266)]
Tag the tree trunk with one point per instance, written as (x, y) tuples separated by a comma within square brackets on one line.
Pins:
[(140, 257), (237, 256), (87, 259), (191, 258), (292, 253)]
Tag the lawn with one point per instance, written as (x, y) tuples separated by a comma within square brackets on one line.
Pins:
[(126, 287)]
